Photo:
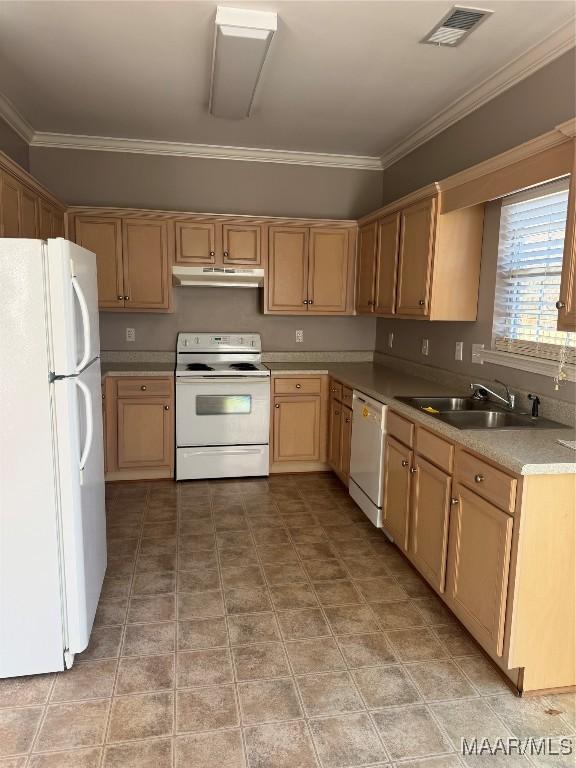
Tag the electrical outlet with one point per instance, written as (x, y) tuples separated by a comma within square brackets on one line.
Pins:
[(459, 350), (425, 347), (391, 339), (477, 350), (299, 337), (130, 334)]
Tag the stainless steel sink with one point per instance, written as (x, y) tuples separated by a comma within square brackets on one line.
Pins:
[(466, 413)]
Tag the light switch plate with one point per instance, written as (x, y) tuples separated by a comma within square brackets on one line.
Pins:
[(459, 350), (477, 350), (425, 347), (299, 337), (130, 334)]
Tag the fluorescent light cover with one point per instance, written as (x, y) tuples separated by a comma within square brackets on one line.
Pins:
[(241, 42)]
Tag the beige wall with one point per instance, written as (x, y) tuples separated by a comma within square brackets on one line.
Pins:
[(408, 334), (234, 309), (82, 177), (528, 109), (13, 144)]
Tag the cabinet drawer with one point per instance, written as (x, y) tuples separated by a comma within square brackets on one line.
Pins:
[(435, 449), (335, 390), (400, 428), (131, 387), (297, 385), (347, 396), (485, 480)]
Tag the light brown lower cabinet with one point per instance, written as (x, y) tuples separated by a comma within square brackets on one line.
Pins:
[(340, 430), (478, 566), (139, 428), (397, 467), (499, 549), (298, 424)]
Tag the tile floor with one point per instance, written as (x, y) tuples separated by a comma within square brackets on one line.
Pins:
[(265, 624)]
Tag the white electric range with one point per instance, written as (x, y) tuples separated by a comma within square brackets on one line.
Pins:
[(222, 406)]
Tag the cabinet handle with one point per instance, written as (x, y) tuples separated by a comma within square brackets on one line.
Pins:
[(478, 478), (421, 302), (560, 305), (166, 407), (305, 301), (454, 501), (226, 254), (126, 298), (337, 413), (143, 387), (347, 419), (298, 386), (413, 469), (277, 405), (212, 253), (311, 301), (120, 298), (405, 463), (103, 397)]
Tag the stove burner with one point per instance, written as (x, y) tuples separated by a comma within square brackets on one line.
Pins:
[(243, 366), (198, 367)]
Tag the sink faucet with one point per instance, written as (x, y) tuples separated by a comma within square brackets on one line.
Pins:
[(480, 392)]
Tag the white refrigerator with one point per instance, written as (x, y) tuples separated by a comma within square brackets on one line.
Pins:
[(52, 518)]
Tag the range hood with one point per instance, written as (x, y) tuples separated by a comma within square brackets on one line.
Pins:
[(218, 277)]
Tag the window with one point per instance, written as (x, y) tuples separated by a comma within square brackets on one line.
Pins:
[(532, 228)]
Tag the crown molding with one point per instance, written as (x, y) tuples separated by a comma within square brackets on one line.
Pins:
[(568, 128), (15, 119), (207, 151), (553, 46)]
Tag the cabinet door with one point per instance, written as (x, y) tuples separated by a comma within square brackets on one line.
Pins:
[(144, 432), (430, 519), (478, 566), (195, 242), (103, 237), (567, 299), (57, 223), (241, 244), (296, 428), (335, 435), (44, 220), (387, 264), (417, 237), (10, 206), (288, 269), (146, 264), (328, 271), (367, 242), (28, 214), (397, 464), (345, 443)]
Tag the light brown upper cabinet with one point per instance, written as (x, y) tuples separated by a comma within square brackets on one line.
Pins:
[(195, 242), (24, 212), (133, 258), (146, 264), (567, 301), (10, 198), (28, 213), (310, 270), (367, 244), (103, 236), (418, 263), (417, 233), (215, 243)]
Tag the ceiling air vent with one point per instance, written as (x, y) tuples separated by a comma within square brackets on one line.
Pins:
[(458, 23)]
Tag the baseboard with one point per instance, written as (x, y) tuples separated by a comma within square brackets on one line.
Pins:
[(139, 474)]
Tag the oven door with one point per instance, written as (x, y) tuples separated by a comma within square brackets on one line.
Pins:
[(222, 411)]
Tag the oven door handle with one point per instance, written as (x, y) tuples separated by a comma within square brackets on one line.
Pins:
[(221, 451), (222, 379)]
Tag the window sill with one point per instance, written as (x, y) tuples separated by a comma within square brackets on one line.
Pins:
[(524, 363)]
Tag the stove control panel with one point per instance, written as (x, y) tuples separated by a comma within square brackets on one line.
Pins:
[(208, 342)]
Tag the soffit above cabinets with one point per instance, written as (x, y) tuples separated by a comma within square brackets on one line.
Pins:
[(351, 87)]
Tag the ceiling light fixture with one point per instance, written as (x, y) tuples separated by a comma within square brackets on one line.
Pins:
[(241, 42)]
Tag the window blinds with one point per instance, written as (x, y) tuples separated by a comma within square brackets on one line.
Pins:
[(531, 244)]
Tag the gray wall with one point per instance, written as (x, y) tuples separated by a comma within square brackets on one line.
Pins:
[(528, 109), (234, 309), (408, 334), (13, 144), (82, 177)]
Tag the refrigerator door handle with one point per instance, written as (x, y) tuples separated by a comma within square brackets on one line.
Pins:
[(89, 423), (85, 324)]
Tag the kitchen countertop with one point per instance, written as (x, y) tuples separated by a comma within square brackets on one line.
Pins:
[(137, 369), (536, 453)]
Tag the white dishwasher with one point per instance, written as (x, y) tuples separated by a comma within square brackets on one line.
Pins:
[(367, 454)]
